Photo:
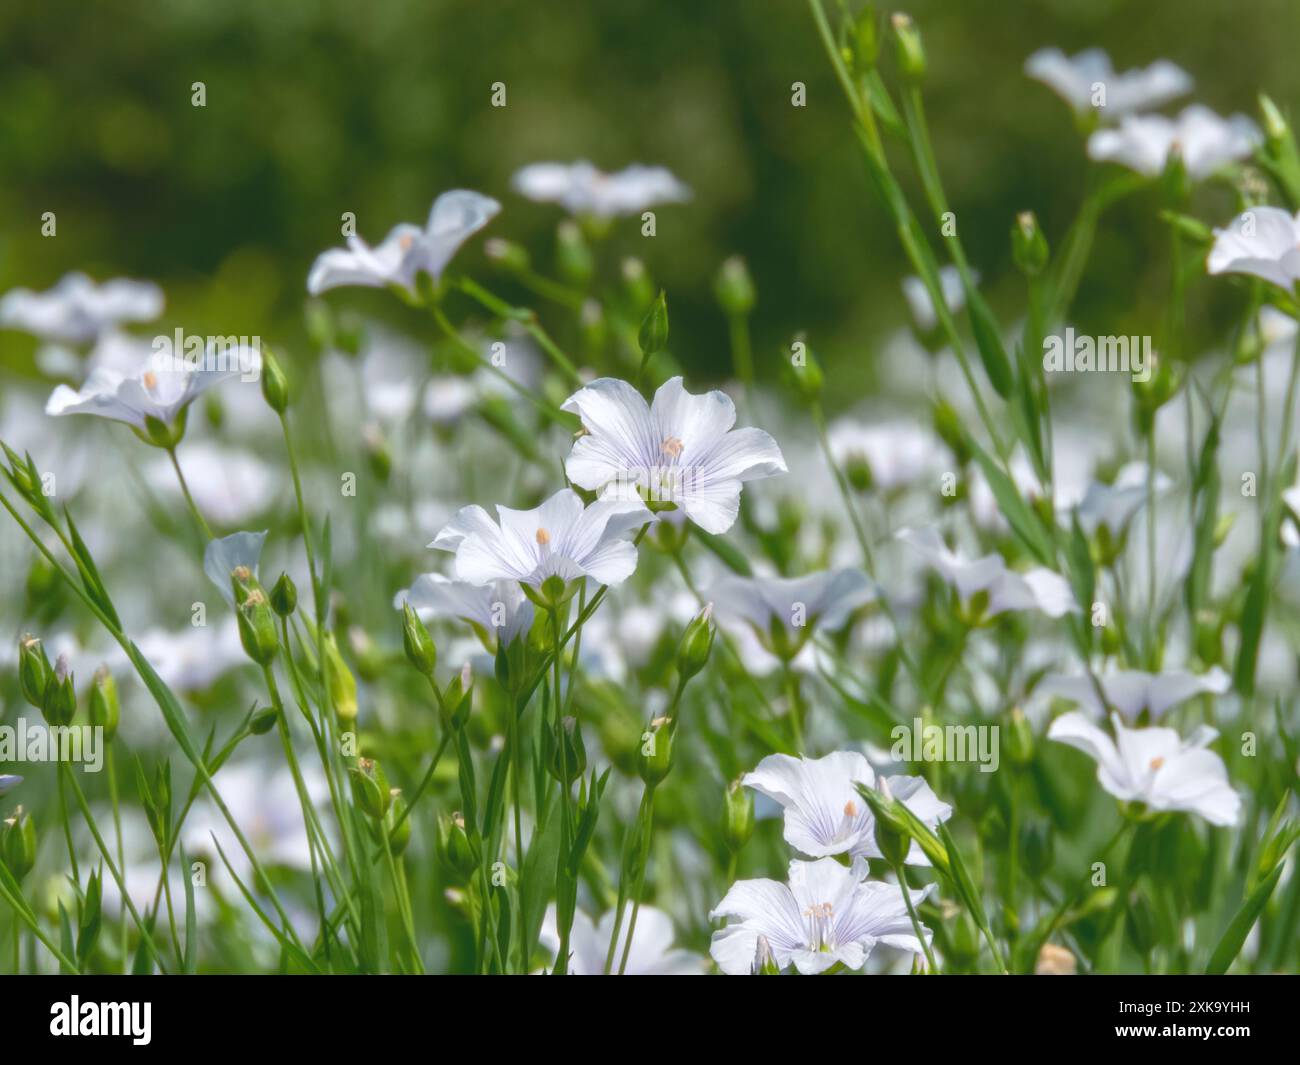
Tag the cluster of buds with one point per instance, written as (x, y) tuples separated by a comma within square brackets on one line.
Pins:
[(50, 689), (254, 616)]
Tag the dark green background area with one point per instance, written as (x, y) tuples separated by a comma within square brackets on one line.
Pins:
[(315, 108)]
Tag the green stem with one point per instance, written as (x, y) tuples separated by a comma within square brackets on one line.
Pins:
[(189, 499)]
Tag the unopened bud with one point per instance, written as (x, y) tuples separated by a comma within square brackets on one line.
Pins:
[(737, 816), (105, 709), (257, 627), (340, 682), (656, 751), (653, 336), (697, 643), (734, 288), (370, 787), (418, 644), (275, 386), (284, 596), (18, 843), (910, 53)]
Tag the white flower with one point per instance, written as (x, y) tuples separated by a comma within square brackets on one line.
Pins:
[(76, 310), (583, 189), (156, 391), (1036, 589), (229, 486), (824, 814), (1077, 80), (652, 952), (192, 658), (920, 304), (680, 449), (828, 914), (1113, 505), (560, 538), (791, 608), (1205, 141), (896, 454), (1264, 242), (500, 607), (1155, 766), (1132, 692), (222, 557), (407, 250)]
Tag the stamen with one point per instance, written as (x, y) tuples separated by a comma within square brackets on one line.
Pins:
[(850, 809), (820, 926), (150, 379), (543, 537), (673, 446), (1157, 762)]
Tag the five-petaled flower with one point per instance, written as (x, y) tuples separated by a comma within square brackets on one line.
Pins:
[(408, 250), (829, 914), (1155, 767), (561, 538), (680, 449)]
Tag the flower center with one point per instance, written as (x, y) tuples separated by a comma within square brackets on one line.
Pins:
[(1157, 762), (150, 380), (821, 929), (404, 242), (673, 446), (850, 809), (543, 537)]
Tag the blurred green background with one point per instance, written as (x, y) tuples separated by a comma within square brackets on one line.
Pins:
[(316, 107)]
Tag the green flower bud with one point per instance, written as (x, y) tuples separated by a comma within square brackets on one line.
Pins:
[(737, 816), (697, 642), (284, 596), (378, 455), (656, 751), (275, 386), (341, 683), (866, 36), (370, 787), (157, 433), (458, 699), (734, 288), (572, 255), (396, 825), (910, 53), (417, 642), (891, 834), (637, 285), (34, 672), (1028, 245), (105, 710), (263, 721), (947, 424), (257, 627), (804, 373), (18, 843), (653, 336), (564, 750), (60, 695), (506, 254), (453, 845), (1020, 738)]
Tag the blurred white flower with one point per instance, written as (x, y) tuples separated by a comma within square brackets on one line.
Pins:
[(1035, 589), (896, 454), (561, 538), (824, 814), (922, 307), (1088, 82), (447, 398), (1113, 505), (1205, 141), (786, 610), (222, 557), (76, 310), (153, 391), (1263, 242), (582, 189), (680, 449), (194, 657), (229, 486), (407, 250), (1155, 766), (1132, 692), (500, 607), (652, 952), (8, 782), (828, 914)]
